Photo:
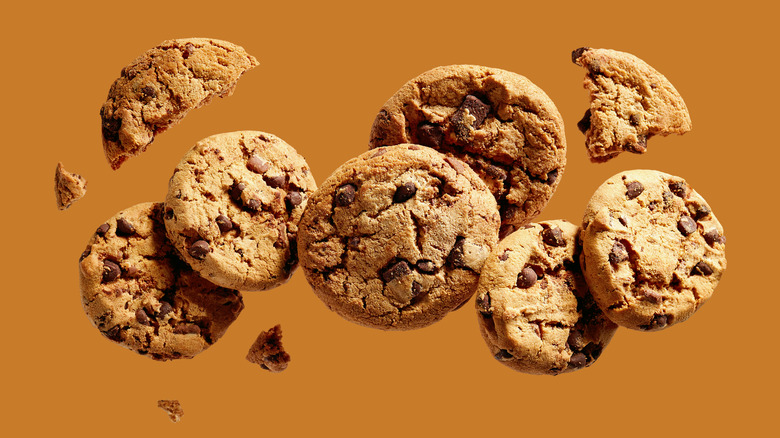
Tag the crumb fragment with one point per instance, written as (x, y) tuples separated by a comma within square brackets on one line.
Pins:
[(68, 187), (267, 351), (173, 408)]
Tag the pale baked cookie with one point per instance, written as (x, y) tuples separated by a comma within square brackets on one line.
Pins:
[(498, 122), (172, 408), (653, 251), (161, 86), (140, 295), (268, 352), (535, 311), (395, 238), (68, 187), (629, 103), (233, 206)]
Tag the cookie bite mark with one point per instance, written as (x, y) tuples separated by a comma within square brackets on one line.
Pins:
[(630, 102)]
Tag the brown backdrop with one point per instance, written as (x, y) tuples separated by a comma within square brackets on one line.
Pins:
[(325, 70)]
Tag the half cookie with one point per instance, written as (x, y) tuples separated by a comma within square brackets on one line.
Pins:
[(535, 311), (395, 238), (161, 86), (233, 206), (629, 103), (141, 296), (498, 122)]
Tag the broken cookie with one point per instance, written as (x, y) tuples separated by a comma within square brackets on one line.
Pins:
[(267, 351), (172, 408), (68, 187)]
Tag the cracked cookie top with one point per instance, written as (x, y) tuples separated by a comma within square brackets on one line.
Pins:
[(630, 102), (161, 86), (534, 308), (653, 251), (498, 122), (395, 238), (140, 295), (233, 206)]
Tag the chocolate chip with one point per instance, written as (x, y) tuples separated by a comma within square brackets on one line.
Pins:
[(398, 270), (345, 195), (149, 92), (584, 124), (102, 230), (293, 199), (639, 147), (429, 134), (456, 164), (253, 204), (593, 350), (476, 109), (702, 268), (503, 355), (700, 211), (416, 289), (188, 50), (618, 254), (456, 255), (353, 243), (257, 165), (184, 328), (483, 305), (713, 236), (526, 278), (111, 128), (635, 119), (404, 193), (224, 223), (659, 321), (504, 255), (578, 360), (686, 225), (426, 266), (577, 53), (634, 189), (552, 176), (236, 190), (124, 228), (132, 272), (496, 172), (165, 308), (114, 333), (652, 296), (111, 271), (275, 181), (679, 188), (142, 317), (575, 340), (168, 213), (553, 237), (199, 249), (86, 253), (379, 151)]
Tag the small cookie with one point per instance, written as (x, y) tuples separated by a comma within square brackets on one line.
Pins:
[(629, 103), (68, 187), (172, 408), (140, 295), (498, 122), (267, 351), (396, 237), (233, 206), (653, 251), (534, 308), (161, 86)]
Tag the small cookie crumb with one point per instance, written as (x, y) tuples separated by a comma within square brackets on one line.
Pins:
[(68, 187), (267, 351), (173, 408)]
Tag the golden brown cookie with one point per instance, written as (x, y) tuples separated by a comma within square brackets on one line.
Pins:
[(68, 187), (172, 408), (268, 352)]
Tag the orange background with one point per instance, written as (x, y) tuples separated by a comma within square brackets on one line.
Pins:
[(325, 71)]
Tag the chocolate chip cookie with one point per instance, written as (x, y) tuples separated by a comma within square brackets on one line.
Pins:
[(653, 251), (535, 311), (68, 187), (161, 86), (268, 352), (395, 238), (630, 102), (233, 206), (140, 295), (498, 122)]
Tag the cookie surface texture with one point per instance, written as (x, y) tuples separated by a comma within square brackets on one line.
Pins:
[(653, 251), (630, 102), (233, 206), (534, 309), (498, 122), (68, 187), (395, 238), (140, 295), (161, 86)]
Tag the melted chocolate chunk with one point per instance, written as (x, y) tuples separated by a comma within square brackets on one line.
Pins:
[(618, 254), (456, 256), (102, 230), (426, 266), (188, 50), (503, 355), (165, 308), (526, 278), (345, 195), (652, 296), (124, 228), (679, 188), (396, 271), (276, 181), (702, 268), (659, 321), (142, 317), (713, 236), (634, 189), (552, 176), (577, 53), (553, 237), (429, 135), (686, 225), (416, 289), (224, 223), (483, 305), (578, 360), (257, 164), (114, 333), (111, 271), (185, 328), (474, 107), (111, 128), (699, 211), (584, 124), (199, 249), (236, 190), (293, 199), (404, 193)]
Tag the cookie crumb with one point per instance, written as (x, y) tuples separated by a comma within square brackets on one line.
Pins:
[(173, 408), (267, 351), (68, 187)]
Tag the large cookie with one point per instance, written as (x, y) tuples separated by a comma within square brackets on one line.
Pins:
[(233, 206), (535, 311), (395, 238), (161, 86), (141, 296), (653, 251), (629, 103), (498, 122)]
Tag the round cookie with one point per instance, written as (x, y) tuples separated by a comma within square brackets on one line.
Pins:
[(233, 206), (140, 295), (396, 237), (653, 251), (534, 308), (498, 122)]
